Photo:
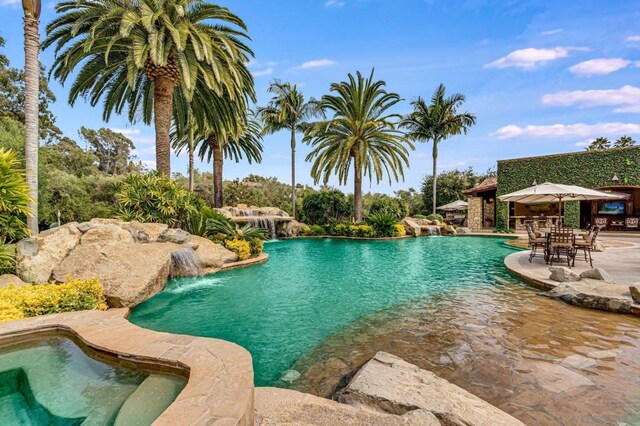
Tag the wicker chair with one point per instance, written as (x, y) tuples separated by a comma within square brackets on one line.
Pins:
[(561, 242), (586, 243), (536, 241)]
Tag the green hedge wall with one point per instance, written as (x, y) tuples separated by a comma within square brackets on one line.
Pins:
[(591, 169)]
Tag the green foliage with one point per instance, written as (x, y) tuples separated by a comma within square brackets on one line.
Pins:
[(43, 299), (362, 231), (419, 216), (154, 197), (412, 199), (383, 223), (240, 247), (112, 149), (450, 186), (256, 245), (396, 207), (324, 206), (14, 197), (229, 229), (590, 169), (602, 143), (436, 216), (7, 258), (398, 230), (196, 223), (317, 230), (503, 231)]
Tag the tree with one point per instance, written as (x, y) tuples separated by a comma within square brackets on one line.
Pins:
[(112, 149), (360, 134), (450, 186), (287, 110), (624, 142), (187, 140), (412, 198), (246, 142), (436, 122), (31, 82), (144, 53), (599, 144)]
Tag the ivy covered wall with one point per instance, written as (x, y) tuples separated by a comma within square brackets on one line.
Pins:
[(590, 169)]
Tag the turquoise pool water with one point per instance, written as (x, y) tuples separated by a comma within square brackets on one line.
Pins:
[(311, 289), (53, 382)]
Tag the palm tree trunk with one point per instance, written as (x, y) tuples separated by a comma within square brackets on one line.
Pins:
[(32, 81), (293, 171), (357, 192), (435, 174), (216, 147), (190, 168), (163, 107)]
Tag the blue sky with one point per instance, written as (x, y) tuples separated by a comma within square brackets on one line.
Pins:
[(542, 77)]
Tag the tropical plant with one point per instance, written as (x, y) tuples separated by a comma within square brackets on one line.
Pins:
[(384, 223), (231, 230), (361, 134), (153, 197), (247, 142), (256, 245), (15, 201), (288, 110), (451, 185), (436, 122), (143, 54), (324, 206), (240, 247), (32, 10), (599, 144), (399, 230), (7, 257), (196, 223), (396, 207), (624, 142)]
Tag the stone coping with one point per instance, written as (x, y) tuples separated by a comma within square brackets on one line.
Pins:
[(537, 275), (261, 258), (342, 237), (220, 386)]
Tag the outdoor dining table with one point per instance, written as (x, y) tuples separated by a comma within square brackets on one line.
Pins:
[(547, 235)]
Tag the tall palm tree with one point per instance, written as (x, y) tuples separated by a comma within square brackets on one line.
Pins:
[(187, 140), (624, 141), (216, 147), (32, 81), (360, 133), (140, 53), (287, 110), (436, 122)]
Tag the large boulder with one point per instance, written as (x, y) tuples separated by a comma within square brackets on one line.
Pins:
[(597, 274), (176, 236), (9, 279), (388, 384), (449, 230), (463, 230), (129, 273), (290, 229), (635, 292), (212, 255), (412, 227), (594, 294), (562, 274), (36, 257), (147, 232), (106, 234)]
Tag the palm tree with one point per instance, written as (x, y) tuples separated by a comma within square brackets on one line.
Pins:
[(142, 53), (436, 122), (361, 133), (624, 142), (32, 81), (216, 147), (287, 110), (187, 140), (599, 144)]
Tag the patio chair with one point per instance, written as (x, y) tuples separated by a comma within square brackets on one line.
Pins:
[(536, 241), (561, 242), (586, 243), (631, 223)]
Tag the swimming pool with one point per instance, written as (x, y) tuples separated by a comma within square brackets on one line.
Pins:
[(312, 289)]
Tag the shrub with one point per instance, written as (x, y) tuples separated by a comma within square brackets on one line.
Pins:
[(389, 205), (239, 247), (317, 230), (305, 230), (362, 231), (340, 229), (324, 206), (7, 258), (398, 230), (14, 196), (419, 216), (383, 223), (232, 230), (256, 245), (153, 197), (435, 216), (34, 300), (196, 223)]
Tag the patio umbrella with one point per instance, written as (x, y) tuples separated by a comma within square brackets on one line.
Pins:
[(558, 193), (455, 206)]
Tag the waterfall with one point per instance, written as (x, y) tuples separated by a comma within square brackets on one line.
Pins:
[(266, 223), (432, 230), (185, 263), (247, 213)]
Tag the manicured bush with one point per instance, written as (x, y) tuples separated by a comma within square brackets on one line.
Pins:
[(340, 229), (239, 247), (317, 230), (419, 216), (256, 245), (383, 223), (34, 300), (362, 231), (398, 230), (390, 205), (324, 206), (435, 216), (305, 230)]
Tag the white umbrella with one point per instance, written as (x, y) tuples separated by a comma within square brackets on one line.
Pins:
[(558, 193), (456, 205)]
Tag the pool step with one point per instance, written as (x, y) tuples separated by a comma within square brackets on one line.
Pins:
[(149, 400)]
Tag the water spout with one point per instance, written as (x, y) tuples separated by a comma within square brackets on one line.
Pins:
[(185, 263)]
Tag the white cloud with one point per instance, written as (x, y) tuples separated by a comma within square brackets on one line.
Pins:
[(318, 63), (334, 3), (551, 32), (136, 136), (530, 58), (634, 39), (626, 98), (581, 130), (599, 66), (262, 73)]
